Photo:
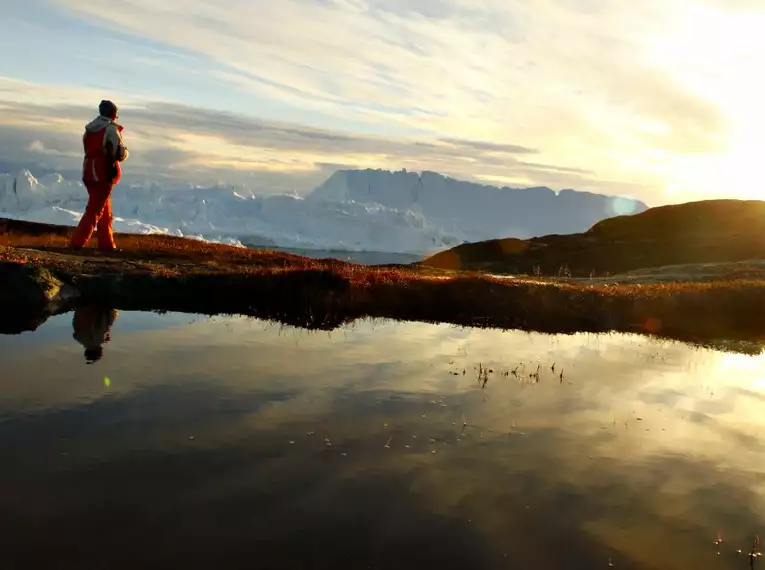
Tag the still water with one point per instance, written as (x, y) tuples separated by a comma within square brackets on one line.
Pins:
[(197, 442)]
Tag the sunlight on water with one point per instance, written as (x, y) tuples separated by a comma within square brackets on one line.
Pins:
[(383, 444)]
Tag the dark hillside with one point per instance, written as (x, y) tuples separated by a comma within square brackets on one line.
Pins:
[(695, 232)]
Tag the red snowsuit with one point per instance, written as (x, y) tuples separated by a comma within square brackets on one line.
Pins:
[(101, 171)]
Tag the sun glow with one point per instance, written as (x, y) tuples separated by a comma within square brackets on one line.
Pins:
[(717, 55), (737, 173)]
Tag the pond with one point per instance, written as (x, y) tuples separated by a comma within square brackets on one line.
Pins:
[(226, 442)]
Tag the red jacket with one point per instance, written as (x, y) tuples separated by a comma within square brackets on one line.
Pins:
[(104, 151)]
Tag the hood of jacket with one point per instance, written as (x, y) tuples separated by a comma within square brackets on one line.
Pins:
[(99, 123)]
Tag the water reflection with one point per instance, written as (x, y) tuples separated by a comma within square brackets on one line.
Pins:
[(92, 329), (234, 443)]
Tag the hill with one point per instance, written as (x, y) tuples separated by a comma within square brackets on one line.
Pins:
[(709, 231)]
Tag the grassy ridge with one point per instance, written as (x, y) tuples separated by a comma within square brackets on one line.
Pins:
[(696, 232)]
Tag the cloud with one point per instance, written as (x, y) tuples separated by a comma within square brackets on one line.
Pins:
[(594, 89), (489, 146), (443, 66), (178, 142)]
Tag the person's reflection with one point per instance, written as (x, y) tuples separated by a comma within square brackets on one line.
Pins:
[(92, 327)]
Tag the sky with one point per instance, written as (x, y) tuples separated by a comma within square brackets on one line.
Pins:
[(659, 100)]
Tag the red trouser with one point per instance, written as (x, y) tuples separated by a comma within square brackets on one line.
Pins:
[(98, 215)]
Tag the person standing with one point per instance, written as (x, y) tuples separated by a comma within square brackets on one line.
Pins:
[(101, 171)]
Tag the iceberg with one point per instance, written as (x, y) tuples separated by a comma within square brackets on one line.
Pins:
[(353, 210)]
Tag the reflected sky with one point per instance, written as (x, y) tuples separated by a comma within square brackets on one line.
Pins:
[(230, 440)]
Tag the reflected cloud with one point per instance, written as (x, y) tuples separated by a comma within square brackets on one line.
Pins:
[(640, 443)]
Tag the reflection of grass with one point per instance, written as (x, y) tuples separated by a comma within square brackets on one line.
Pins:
[(165, 273)]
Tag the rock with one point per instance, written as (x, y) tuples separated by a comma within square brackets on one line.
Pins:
[(25, 288)]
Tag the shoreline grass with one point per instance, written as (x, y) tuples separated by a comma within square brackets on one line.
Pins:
[(163, 273)]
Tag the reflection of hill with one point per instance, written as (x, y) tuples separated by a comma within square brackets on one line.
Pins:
[(752, 348), (327, 322), (696, 232)]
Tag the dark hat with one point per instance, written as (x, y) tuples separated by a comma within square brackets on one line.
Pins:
[(107, 109), (94, 354)]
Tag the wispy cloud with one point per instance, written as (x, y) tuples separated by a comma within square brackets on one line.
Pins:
[(169, 140), (449, 67)]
